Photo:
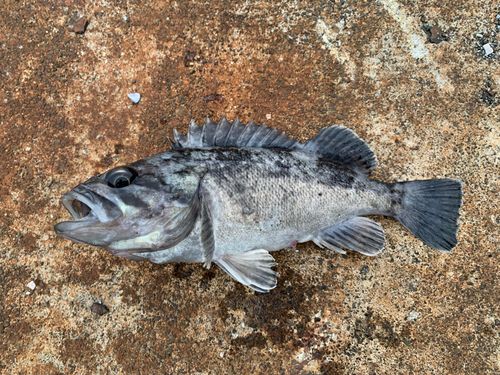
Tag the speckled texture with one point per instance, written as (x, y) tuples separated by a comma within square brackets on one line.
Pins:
[(301, 65)]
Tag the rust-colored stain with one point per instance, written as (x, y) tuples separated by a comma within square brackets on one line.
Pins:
[(297, 66)]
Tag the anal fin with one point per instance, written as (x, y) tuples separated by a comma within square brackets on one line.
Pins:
[(358, 234), (252, 268)]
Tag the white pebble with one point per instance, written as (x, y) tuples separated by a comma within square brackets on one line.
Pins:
[(31, 285), (487, 49), (135, 97), (413, 315)]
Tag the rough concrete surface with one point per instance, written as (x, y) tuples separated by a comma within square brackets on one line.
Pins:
[(428, 109)]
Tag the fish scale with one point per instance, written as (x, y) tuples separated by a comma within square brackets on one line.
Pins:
[(289, 206)]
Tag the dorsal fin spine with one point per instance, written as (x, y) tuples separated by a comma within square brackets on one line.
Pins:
[(277, 141), (222, 131), (217, 130), (233, 126), (263, 126), (240, 138), (267, 136)]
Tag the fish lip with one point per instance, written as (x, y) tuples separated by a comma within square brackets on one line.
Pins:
[(65, 227), (100, 209)]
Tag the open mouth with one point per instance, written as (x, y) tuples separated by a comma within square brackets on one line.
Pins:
[(82, 213), (86, 208), (80, 209), (81, 204)]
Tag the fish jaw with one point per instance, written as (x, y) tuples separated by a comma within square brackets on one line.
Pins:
[(101, 207), (90, 212)]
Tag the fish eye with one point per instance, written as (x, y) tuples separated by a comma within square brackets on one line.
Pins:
[(120, 177)]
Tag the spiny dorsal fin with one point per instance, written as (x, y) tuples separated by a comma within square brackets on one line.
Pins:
[(335, 143), (226, 134)]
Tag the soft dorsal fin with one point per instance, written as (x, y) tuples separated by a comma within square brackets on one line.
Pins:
[(335, 143), (342, 145)]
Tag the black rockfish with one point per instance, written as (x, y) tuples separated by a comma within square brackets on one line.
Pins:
[(230, 193)]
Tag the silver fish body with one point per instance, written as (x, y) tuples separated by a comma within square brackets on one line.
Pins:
[(230, 193)]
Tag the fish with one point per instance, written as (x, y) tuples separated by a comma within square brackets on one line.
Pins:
[(231, 193)]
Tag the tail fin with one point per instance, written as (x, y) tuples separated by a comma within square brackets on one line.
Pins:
[(430, 210)]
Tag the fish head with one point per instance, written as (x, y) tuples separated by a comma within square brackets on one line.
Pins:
[(124, 203)]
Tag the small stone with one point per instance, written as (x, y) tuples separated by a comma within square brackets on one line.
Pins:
[(364, 270), (340, 117), (436, 34), (268, 116), (413, 315), (31, 285), (80, 25), (488, 97), (189, 60), (135, 97), (99, 309), (487, 49)]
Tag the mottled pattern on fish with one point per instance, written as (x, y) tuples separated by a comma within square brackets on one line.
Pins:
[(229, 193)]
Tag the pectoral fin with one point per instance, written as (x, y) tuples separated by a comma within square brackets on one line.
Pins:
[(358, 234), (207, 233), (252, 268)]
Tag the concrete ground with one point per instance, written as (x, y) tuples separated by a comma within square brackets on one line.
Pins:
[(417, 80)]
